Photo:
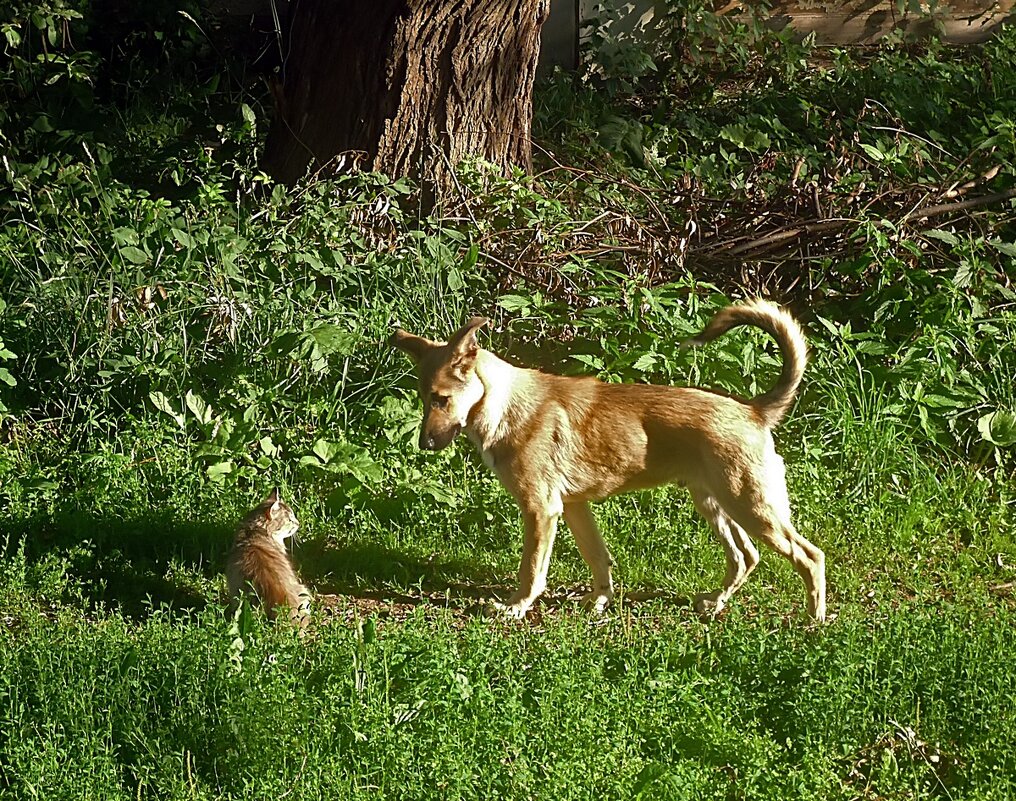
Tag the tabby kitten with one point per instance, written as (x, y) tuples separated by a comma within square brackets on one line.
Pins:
[(259, 561)]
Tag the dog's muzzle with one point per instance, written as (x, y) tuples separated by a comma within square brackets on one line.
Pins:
[(436, 441)]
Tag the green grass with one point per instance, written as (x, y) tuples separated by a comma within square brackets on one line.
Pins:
[(136, 428), (122, 674), (902, 702)]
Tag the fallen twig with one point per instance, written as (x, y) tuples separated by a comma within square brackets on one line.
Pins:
[(816, 227), (961, 205)]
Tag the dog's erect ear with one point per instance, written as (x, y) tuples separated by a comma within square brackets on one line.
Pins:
[(411, 344), (463, 342)]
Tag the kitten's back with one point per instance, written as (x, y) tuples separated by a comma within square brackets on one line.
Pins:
[(258, 561)]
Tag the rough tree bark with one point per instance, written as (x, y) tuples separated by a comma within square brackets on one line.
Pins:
[(414, 84)]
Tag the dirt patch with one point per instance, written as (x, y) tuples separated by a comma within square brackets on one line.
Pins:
[(465, 603)]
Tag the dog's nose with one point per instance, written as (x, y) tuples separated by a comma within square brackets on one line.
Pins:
[(427, 443)]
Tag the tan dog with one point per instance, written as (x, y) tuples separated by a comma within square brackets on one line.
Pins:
[(557, 443)]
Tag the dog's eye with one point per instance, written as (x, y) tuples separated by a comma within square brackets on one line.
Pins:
[(439, 401)]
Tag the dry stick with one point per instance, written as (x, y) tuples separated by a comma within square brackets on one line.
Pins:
[(960, 205), (831, 226), (775, 238)]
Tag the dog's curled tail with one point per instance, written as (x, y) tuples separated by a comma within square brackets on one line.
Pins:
[(771, 406)]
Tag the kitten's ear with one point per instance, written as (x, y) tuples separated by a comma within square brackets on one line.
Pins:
[(272, 503), (410, 344)]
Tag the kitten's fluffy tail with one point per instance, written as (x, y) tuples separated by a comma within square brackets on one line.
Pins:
[(265, 566), (773, 405)]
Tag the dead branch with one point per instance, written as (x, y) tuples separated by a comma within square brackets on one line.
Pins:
[(815, 228)]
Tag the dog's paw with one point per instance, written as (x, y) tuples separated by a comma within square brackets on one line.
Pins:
[(709, 604), (597, 601), (515, 608)]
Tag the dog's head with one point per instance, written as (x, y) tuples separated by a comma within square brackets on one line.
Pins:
[(449, 386)]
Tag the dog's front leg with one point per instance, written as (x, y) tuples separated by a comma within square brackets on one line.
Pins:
[(580, 520), (541, 527)]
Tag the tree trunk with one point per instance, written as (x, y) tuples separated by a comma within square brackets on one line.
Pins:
[(415, 85)]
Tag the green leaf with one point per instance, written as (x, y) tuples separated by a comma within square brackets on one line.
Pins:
[(163, 404), (652, 779), (471, 257), (42, 484), (515, 303), (998, 428), (219, 470), (874, 153), (633, 147), (402, 186), (329, 338), (832, 327), (964, 273), (134, 255), (7, 378), (268, 447), (1008, 248), (942, 401), (290, 343), (42, 124), (364, 469), (312, 260), (124, 235), (611, 131), (199, 408), (745, 138), (943, 236), (438, 492), (645, 362), (183, 238), (325, 450)]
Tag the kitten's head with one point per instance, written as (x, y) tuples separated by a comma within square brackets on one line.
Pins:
[(275, 518)]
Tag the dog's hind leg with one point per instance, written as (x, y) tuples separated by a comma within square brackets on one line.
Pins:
[(580, 520), (541, 527), (767, 517), (807, 559), (742, 556)]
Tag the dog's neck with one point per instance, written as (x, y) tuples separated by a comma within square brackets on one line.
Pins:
[(504, 400)]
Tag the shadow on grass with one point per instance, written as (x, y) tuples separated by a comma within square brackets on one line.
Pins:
[(132, 564), (367, 569), (156, 561), (137, 564)]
